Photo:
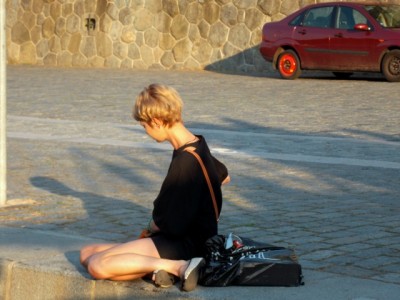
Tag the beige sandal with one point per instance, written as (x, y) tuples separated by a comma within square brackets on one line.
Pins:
[(163, 279), (191, 276)]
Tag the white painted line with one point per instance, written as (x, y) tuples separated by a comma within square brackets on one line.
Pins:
[(221, 151)]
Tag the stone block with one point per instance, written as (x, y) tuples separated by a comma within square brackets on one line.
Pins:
[(64, 41), (126, 16), (289, 6), (162, 22), (239, 36), (54, 44), (88, 46), (171, 7), (29, 19), (112, 62), (26, 282), (194, 12), (13, 51), (182, 50), (211, 12), (112, 11), (96, 62), (127, 63), (115, 31), (191, 64), (252, 18), (55, 10), (28, 53), (246, 3), (229, 14), (90, 6), (269, 7), (154, 6), (61, 26), (128, 34), (167, 42), (36, 34), (42, 48), (79, 60), (101, 7), (48, 28), (167, 59), (50, 59), (103, 44), (19, 33), (194, 33), (12, 17), (74, 43), (79, 7), (64, 59), (204, 29), (133, 52), (37, 6), (146, 54), (26, 4), (105, 23), (73, 23), (218, 34), (179, 27), (143, 19), (151, 37), (201, 51), (120, 50), (139, 64), (67, 9)]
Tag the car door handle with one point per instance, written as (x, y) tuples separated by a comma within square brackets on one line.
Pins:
[(302, 31), (339, 35)]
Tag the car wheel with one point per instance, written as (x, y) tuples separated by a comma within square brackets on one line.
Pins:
[(391, 66), (342, 75), (289, 65)]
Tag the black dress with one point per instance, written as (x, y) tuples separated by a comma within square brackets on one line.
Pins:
[(184, 210)]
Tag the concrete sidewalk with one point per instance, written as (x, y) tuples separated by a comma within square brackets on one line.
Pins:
[(45, 265), (315, 165)]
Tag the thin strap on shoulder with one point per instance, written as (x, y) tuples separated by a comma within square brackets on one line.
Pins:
[(191, 150)]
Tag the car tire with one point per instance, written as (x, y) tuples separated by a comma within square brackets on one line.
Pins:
[(342, 75), (288, 65), (391, 66)]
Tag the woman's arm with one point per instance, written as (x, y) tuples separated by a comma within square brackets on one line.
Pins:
[(226, 180)]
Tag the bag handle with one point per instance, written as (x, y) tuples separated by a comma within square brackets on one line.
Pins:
[(191, 150)]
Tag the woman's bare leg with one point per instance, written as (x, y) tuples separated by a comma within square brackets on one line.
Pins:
[(89, 250), (130, 260)]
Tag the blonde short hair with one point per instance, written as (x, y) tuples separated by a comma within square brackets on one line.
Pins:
[(158, 101)]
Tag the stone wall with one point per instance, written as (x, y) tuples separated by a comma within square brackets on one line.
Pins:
[(142, 34)]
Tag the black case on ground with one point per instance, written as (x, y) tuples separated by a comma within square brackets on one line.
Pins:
[(249, 263)]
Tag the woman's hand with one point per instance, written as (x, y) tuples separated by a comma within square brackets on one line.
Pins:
[(153, 228)]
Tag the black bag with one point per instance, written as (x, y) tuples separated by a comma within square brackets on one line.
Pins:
[(233, 260)]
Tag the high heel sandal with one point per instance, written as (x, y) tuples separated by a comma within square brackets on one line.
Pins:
[(163, 279), (191, 275)]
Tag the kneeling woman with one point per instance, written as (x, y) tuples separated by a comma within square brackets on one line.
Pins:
[(184, 215)]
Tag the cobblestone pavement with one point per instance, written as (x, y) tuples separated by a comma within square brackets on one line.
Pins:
[(315, 162)]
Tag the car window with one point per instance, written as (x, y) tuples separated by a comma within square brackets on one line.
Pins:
[(348, 17), (386, 15), (318, 17)]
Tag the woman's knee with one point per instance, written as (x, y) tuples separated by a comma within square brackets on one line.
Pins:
[(96, 268)]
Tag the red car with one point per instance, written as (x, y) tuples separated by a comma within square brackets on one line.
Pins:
[(341, 37)]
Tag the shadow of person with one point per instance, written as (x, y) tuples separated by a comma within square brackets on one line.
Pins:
[(106, 218)]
